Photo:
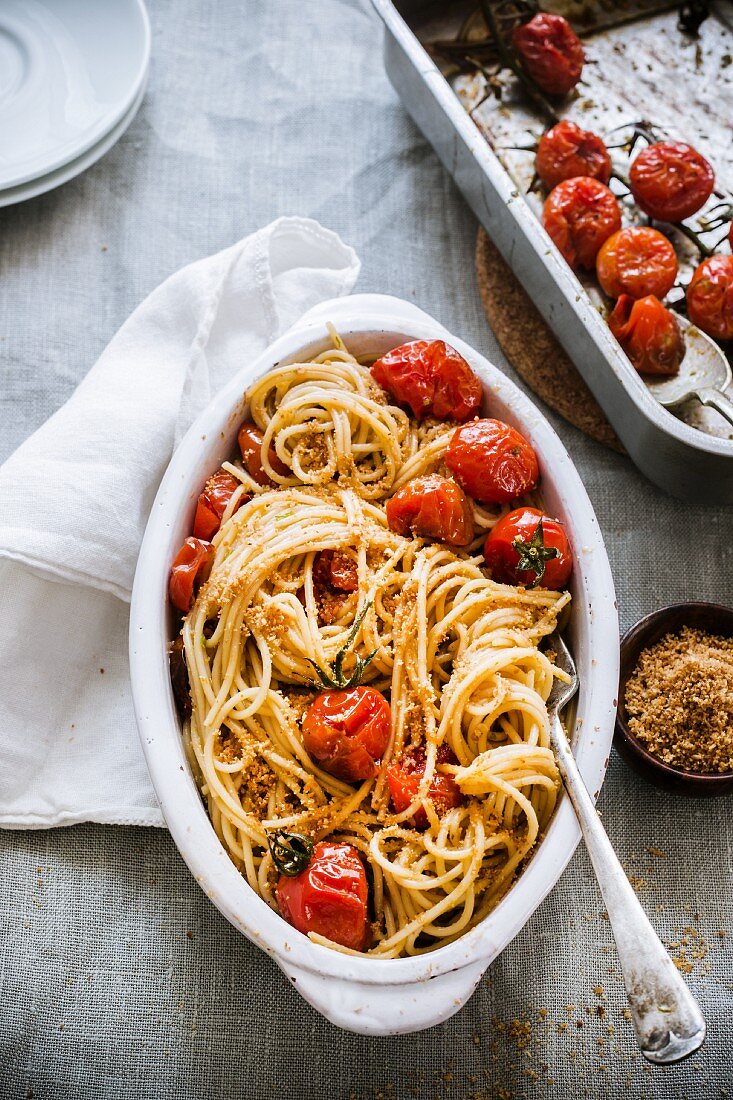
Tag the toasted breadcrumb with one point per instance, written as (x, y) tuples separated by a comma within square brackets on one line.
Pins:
[(679, 700)]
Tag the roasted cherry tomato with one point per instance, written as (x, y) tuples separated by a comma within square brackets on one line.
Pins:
[(250, 441), (330, 897), (346, 732), (335, 569), (431, 378), (580, 214), (710, 297), (550, 52), (566, 151), (649, 334), (492, 461), (191, 566), (335, 577), (213, 502), (671, 181), (404, 778), (432, 507), (638, 261), (529, 548)]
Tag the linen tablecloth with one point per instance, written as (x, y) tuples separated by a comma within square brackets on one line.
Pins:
[(117, 977)]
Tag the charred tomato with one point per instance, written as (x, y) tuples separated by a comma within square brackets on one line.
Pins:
[(580, 214), (330, 897), (431, 378), (492, 461), (528, 548), (550, 52), (567, 151), (347, 732), (638, 261), (710, 297), (432, 507), (649, 333), (404, 776), (671, 181)]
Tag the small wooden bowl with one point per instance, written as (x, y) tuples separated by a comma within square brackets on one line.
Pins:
[(712, 617)]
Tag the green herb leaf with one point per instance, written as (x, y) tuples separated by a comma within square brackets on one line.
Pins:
[(334, 678), (291, 852)]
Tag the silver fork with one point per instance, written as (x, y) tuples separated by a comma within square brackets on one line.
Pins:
[(667, 1019)]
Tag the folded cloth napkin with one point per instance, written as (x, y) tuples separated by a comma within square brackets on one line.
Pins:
[(74, 502)]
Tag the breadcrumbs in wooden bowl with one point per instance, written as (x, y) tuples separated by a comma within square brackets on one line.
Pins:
[(675, 711)]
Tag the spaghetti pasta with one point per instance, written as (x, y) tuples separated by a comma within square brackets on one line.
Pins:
[(456, 653)]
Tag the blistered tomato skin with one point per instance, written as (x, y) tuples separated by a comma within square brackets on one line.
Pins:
[(492, 461), (431, 379), (432, 507), (213, 503), (191, 566), (671, 181), (638, 261), (649, 333), (250, 441), (330, 897), (347, 732), (403, 779), (335, 569), (550, 52), (567, 151), (710, 297), (580, 215), (519, 552)]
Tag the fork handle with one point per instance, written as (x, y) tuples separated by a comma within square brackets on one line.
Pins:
[(667, 1019), (714, 399)]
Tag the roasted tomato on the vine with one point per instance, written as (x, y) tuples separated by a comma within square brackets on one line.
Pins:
[(492, 461), (404, 778), (550, 52), (671, 181), (649, 333), (580, 214), (431, 378), (250, 441), (432, 507), (330, 897), (637, 261), (191, 566), (567, 151), (710, 297), (347, 732), (528, 548), (213, 503)]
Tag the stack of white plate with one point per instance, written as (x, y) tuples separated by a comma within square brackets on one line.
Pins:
[(72, 77)]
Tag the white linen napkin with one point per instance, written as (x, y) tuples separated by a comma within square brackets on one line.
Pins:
[(74, 500)]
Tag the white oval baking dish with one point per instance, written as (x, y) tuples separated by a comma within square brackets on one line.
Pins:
[(374, 997)]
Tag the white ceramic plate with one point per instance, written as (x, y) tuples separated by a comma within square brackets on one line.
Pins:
[(75, 167), (371, 996), (70, 70)]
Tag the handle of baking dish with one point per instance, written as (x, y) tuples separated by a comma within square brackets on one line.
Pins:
[(394, 1009)]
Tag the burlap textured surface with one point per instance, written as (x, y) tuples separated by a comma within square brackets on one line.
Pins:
[(117, 977)]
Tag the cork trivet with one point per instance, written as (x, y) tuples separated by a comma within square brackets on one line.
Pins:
[(531, 348)]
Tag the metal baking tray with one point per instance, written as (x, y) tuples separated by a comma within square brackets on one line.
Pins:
[(639, 63)]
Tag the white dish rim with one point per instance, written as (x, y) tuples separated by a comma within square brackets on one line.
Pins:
[(106, 124), (323, 975), (67, 172)]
